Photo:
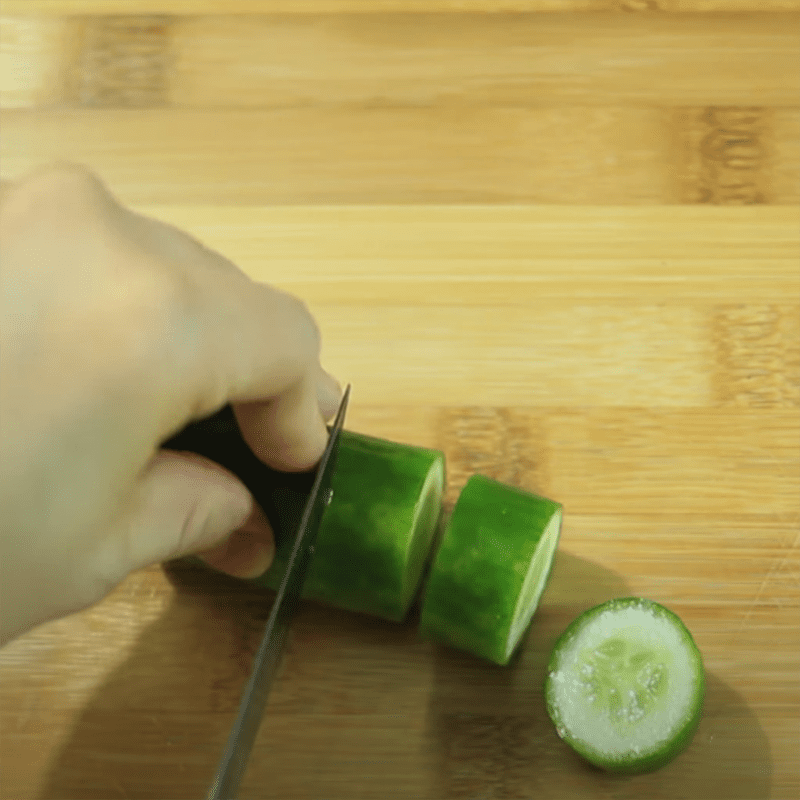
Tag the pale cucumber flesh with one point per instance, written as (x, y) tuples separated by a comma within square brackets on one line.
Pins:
[(535, 582), (625, 685), (491, 568)]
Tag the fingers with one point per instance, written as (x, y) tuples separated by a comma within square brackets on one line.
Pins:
[(329, 394), (205, 333), (251, 345), (248, 552), (185, 504), (288, 432)]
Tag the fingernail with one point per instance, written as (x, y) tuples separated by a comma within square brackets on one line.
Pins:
[(240, 508), (257, 532), (329, 394), (232, 512), (256, 523), (243, 555), (260, 560)]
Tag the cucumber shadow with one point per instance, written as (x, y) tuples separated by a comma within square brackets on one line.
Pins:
[(491, 738)]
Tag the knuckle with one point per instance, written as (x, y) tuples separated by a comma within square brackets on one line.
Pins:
[(63, 179), (60, 194), (293, 331)]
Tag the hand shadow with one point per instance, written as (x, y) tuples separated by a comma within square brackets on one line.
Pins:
[(158, 725), (162, 717), (493, 739)]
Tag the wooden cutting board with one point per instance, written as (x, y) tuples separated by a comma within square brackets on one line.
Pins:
[(559, 241)]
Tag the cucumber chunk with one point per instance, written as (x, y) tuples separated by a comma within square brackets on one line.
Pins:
[(375, 536), (492, 566), (625, 685)]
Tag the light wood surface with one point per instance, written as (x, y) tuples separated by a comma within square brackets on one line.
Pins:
[(258, 7), (557, 239)]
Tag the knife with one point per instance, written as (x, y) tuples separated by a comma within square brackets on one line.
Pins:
[(293, 509)]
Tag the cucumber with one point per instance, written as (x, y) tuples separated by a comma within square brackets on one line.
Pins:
[(491, 568), (375, 536), (625, 685)]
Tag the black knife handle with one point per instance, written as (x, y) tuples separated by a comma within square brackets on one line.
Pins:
[(282, 495)]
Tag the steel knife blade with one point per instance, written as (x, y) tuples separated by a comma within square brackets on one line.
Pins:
[(267, 660)]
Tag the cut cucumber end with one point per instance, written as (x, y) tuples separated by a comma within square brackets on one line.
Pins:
[(491, 569), (375, 536), (427, 513), (625, 685), (535, 582)]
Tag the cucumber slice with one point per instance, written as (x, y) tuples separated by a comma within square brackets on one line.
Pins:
[(625, 685), (492, 566), (375, 536)]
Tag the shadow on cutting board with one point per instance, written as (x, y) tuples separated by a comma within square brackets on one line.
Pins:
[(158, 723), (344, 713), (493, 740), (368, 695)]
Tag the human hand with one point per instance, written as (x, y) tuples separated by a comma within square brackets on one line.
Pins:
[(115, 332)]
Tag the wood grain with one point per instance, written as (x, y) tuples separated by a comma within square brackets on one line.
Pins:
[(414, 60), (192, 7), (724, 154), (570, 156), (318, 156), (558, 240), (36, 56), (595, 108), (596, 59), (583, 246)]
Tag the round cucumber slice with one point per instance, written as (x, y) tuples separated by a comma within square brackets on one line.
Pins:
[(492, 566), (625, 685), (376, 534)]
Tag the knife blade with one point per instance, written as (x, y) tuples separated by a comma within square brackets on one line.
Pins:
[(267, 660), (294, 504)]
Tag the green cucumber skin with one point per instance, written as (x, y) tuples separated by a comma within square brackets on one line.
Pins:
[(365, 559), (469, 603), (634, 764)]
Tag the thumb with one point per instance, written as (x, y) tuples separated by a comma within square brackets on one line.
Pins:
[(187, 505)]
